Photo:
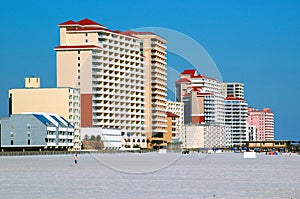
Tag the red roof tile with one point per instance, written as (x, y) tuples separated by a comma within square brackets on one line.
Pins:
[(189, 72), (86, 21), (183, 80), (70, 22)]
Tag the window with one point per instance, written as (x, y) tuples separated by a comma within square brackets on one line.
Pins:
[(11, 134), (78, 51), (78, 58), (11, 142), (86, 41), (78, 64), (28, 134), (28, 142), (28, 126)]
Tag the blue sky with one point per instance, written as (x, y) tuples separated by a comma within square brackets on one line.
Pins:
[(254, 42)]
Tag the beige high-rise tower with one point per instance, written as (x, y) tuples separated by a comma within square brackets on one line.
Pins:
[(108, 68), (153, 48)]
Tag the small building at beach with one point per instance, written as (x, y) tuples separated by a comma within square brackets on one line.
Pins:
[(36, 131)]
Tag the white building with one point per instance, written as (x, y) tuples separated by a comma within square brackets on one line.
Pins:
[(236, 115), (207, 136), (130, 141), (252, 133), (111, 138)]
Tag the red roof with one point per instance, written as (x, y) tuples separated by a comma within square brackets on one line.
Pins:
[(70, 22), (189, 72), (86, 21), (183, 80), (79, 47), (83, 22), (169, 114)]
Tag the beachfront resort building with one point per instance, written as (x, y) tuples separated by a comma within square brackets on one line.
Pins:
[(36, 131), (236, 116), (263, 120), (108, 68), (63, 101), (153, 49), (202, 98)]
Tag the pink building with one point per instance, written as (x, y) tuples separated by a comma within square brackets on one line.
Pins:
[(264, 122)]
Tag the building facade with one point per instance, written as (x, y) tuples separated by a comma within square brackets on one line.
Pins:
[(236, 115), (108, 68), (177, 108), (36, 131), (252, 133), (202, 97), (207, 136), (234, 89), (153, 49), (61, 101), (263, 120)]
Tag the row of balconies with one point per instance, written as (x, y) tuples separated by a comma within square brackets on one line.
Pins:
[(155, 65)]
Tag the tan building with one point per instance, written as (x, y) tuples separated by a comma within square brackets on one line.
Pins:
[(177, 108), (153, 48), (279, 145), (234, 89), (64, 102), (108, 68)]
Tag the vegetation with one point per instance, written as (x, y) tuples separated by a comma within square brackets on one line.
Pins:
[(93, 142)]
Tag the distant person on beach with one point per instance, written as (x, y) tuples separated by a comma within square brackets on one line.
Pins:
[(75, 160)]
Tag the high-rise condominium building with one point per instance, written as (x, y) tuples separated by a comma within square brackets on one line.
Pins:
[(108, 68), (234, 89), (153, 49), (263, 120), (202, 97), (64, 101), (236, 116)]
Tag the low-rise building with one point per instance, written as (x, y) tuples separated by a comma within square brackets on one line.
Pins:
[(111, 138), (64, 102), (207, 136), (36, 131), (133, 140), (270, 145)]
